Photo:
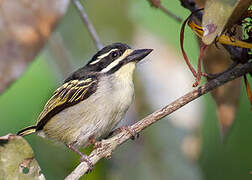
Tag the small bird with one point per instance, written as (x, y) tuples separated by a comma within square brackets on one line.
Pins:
[(92, 100)]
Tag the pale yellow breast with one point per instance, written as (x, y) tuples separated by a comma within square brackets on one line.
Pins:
[(97, 115)]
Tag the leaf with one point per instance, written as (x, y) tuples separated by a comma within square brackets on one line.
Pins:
[(220, 15), (223, 39), (227, 96), (25, 26), (17, 159)]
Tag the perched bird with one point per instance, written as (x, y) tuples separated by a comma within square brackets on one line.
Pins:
[(92, 100)]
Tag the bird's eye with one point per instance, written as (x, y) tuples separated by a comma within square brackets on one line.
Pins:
[(115, 54)]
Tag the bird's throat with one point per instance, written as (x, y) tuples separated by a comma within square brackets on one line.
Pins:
[(125, 73)]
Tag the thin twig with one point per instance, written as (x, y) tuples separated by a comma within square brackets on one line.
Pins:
[(190, 4), (107, 146), (88, 23), (157, 4), (169, 13)]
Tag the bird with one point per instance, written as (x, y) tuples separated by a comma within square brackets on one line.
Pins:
[(91, 101)]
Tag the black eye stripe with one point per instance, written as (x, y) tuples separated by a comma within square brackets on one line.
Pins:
[(106, 56), (105, 61), (108, 60)]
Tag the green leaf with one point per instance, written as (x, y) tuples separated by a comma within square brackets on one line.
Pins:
[(17, 159)]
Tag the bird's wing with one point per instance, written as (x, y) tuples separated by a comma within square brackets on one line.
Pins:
[(69, 94)]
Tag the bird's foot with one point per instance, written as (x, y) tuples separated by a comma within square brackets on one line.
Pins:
[(84, 158), (130, 130), (97, 145), (91, 140)]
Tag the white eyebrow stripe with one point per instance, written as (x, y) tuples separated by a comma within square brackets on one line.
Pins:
[(114, 63), (102, 56)]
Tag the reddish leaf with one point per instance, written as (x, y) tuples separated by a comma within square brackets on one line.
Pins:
[(182, 30), (199, 73)]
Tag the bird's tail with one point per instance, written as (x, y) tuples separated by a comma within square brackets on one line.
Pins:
[(27, 131)]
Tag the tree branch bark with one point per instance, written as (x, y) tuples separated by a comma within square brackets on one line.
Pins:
[(107, 146)]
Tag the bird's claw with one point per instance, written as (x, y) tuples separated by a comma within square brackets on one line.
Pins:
[(86, 159), (131, 131)]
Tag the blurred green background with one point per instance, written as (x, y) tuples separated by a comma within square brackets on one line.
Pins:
[(152, 156)]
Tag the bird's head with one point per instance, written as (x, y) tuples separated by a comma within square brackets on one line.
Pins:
[(114, 57), (118, 59)]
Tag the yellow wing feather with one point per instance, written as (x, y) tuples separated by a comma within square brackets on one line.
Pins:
[(69, 93)]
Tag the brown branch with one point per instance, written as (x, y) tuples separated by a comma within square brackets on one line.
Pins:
[(107, 146), (88, 24)]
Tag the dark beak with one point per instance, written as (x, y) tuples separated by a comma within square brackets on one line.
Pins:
[(138, 54)]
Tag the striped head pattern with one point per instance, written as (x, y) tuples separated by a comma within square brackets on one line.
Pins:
[(112, 57)]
